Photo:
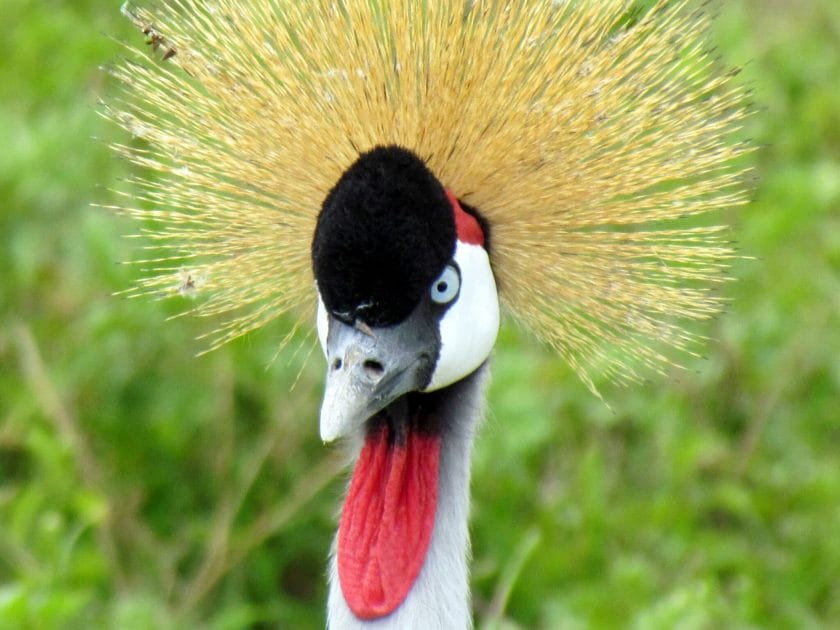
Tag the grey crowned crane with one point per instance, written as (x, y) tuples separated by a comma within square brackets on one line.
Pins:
[(398, 171)]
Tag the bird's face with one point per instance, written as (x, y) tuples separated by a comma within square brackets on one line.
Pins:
[(407, 298)]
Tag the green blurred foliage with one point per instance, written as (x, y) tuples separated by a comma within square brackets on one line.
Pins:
[(142, 487)]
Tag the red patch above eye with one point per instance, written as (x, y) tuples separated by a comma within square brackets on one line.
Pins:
[(466, 225)]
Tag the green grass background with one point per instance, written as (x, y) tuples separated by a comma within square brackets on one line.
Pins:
[(141, 487)]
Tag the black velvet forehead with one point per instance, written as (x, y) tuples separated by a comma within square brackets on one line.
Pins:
[(385, 232)]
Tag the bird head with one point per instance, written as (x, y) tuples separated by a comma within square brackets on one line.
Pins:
[(407, 297)]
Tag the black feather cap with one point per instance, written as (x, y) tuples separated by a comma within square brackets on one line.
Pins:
[(384, 234)]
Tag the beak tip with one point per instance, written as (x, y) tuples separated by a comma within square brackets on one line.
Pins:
[(336, 422), (329, 428), (327, 435), (345, 408)]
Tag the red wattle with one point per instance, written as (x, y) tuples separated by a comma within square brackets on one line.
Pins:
[(387, 521)]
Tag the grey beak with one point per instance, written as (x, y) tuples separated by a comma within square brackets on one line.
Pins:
[(367, 369)]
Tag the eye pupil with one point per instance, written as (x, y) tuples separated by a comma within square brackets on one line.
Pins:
[(442, 286)]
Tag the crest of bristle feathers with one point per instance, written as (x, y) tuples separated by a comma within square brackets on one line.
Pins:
[(584, 132)]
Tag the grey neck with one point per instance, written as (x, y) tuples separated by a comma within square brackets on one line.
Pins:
[(440, 597)]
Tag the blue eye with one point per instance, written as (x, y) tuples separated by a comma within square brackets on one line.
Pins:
[(446, 287)]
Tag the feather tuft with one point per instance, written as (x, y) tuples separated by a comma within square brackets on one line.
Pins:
[(586, 133)]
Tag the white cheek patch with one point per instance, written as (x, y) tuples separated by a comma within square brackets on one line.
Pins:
[(323, 323), (469, 328)]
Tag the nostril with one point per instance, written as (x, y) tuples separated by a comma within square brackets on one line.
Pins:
[(336, 364), (373, 369)]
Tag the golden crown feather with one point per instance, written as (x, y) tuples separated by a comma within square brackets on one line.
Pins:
[(585, 133)]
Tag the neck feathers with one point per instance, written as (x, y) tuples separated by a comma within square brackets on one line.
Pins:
[(440, 597)]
